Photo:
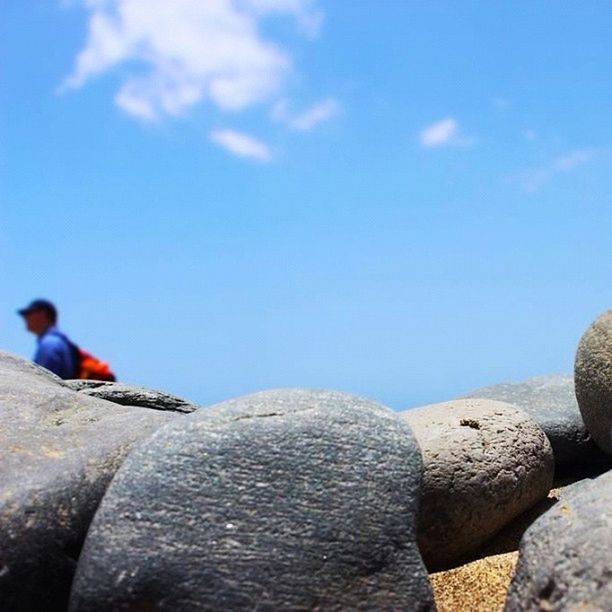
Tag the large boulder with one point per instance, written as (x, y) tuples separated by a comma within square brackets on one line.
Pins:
[(484, 463), (551, 401), (58, 452), (132, 395), (565, 557), (593, 380), (280, 500)]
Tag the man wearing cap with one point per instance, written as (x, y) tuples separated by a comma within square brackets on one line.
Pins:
[(53, 351)]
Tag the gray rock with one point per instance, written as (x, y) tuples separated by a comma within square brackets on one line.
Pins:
[(565, 557), (281, 500), (58, 451), (484, 463), (131, 395), (578, 487), (593, 379), (15, 365), (551, 401)]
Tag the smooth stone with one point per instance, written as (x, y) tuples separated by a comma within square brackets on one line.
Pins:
[(484, 463), (565, 557), (58, 451), (551, 401), (287, 499), (132, 395), (593, 380)]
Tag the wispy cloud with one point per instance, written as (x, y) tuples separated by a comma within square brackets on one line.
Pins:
[(572, 160), (242, 145), (444, 132), (308, 17), (178, 53), (534, 179), (308, 119)]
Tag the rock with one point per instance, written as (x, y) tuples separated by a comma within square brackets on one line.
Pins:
[(58, 451), (584, 485), (284, 499), (509, 538), (131, 395), (484, 463), (593, 380), (551, 401), (13, 364), (565, 557)]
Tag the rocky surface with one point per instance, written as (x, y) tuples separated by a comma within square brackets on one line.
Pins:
[(565, 557), (593, 380), (298, 499), (287, 499), (58, 452), (131, 395), (551, 401), (485, 462)]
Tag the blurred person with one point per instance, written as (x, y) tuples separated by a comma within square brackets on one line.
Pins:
[(54, 351)]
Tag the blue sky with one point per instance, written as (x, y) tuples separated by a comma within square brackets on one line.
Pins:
[(403, 200)]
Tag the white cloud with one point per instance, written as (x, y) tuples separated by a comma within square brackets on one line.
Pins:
[(178, 53), (242, 145), (533, 180), (442, 133), (308, 119), (304, 12)]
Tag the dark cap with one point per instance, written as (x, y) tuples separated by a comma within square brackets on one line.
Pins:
[(45, 305)]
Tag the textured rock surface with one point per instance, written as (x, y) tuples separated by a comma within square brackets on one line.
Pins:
[(482, 583), (485, 462), (551, 401), (286, 499), (58, 451), (593, 380), (565, 557), (132, 395)]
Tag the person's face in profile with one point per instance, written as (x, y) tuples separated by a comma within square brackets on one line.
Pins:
[(37, 321)]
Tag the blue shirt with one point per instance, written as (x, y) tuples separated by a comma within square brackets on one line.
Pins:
[(55, 354)]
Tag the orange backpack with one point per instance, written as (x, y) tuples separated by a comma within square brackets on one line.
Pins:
[(85, 364), (91, 367)]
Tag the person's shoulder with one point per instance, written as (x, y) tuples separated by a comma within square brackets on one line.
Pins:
[(53, 339)]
